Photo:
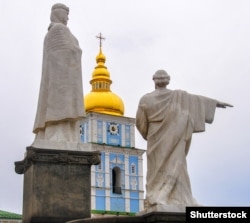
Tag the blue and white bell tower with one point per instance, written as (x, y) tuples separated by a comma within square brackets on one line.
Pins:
[(117, 182)]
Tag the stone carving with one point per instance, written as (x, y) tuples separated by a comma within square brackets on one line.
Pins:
[(133, 183), (34, 155), (100, 180), (60, 105), (167, 119)]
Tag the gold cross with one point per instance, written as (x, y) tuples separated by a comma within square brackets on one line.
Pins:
[(100, 37)]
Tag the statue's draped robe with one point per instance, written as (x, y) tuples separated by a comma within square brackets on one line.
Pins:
[(61, 93), (167, 119)]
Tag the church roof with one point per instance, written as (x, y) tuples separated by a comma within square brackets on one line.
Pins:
[(101, 99), (9, 215)]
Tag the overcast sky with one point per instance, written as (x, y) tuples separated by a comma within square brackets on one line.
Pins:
[(203, 45)]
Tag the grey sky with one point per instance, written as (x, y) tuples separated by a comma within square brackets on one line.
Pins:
[(203, 45)]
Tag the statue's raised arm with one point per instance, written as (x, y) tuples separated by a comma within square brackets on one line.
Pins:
[(167, 119)]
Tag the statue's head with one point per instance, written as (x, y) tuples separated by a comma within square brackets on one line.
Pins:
[(161, 79), (59, 13)]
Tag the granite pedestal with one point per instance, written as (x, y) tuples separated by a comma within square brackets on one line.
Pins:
[(56, 184)]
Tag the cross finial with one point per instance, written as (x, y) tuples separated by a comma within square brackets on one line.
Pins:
[(100, 37)]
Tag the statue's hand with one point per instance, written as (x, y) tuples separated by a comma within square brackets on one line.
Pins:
[(223, 105)]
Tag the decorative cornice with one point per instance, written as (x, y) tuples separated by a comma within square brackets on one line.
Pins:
[(114, 149), (35, 155), (106, 117)]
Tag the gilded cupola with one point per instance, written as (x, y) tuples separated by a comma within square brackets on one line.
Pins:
[(101, 99)]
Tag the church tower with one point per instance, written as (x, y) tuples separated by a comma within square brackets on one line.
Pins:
[(117, 182)]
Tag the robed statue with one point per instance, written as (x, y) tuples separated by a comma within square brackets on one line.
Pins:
[(60, 105), (167, 119)]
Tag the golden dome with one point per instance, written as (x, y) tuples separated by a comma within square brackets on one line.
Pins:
[(101, 99), (104, 102)]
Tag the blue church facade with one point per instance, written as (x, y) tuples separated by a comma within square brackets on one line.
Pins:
[(117, 182)]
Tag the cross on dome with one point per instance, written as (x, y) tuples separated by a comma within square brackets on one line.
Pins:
[(100, 37)]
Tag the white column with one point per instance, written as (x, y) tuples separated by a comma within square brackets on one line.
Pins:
[(107, 181), (140, 175), (132, 135), (93, 188), (90, 132), (123, 132), (104, 132), (127, 194), (94, 130)]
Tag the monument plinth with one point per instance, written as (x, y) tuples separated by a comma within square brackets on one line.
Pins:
[(56, 184)]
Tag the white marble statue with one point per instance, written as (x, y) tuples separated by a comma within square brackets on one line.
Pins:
[(167, 119), (60, 105)]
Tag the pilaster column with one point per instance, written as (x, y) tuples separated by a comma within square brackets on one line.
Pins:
[(127, 182), (107, 180)]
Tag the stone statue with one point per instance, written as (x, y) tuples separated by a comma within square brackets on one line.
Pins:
[(167, 119), (60, 105)]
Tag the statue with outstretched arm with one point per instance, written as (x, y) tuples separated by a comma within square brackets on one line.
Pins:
[(167, 119)]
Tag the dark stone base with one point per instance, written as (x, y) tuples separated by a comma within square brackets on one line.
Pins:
[(154, 217), (56, 184), (49, 220)]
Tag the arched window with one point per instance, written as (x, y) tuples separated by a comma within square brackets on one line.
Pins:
[(116, 180)]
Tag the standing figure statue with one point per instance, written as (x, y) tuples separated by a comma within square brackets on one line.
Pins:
[(60, 105), (167, 119)]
